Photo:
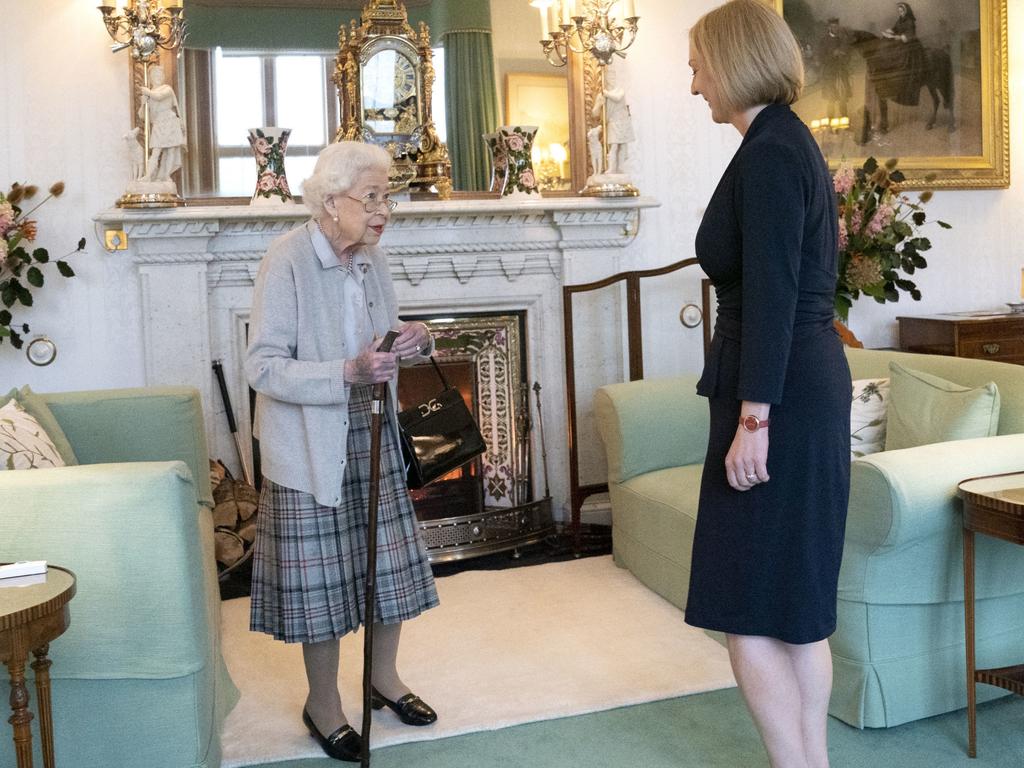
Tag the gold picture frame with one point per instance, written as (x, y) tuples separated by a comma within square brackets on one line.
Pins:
[(968, 147)]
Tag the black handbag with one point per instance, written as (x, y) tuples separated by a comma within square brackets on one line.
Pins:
[(438, 435)]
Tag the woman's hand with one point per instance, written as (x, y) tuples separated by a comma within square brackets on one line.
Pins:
[(746, 463), (371, 366), (413, 340)]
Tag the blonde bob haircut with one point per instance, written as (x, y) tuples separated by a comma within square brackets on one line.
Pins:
[(338, 169), (750, 53)]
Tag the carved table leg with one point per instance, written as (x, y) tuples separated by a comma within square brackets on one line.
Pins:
[(41, 667), (20, 717), (972, 699)]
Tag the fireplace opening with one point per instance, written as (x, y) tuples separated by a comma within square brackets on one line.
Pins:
[(487, 505)]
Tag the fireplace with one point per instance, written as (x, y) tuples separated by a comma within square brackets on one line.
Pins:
[(489, 504), (187, 280)]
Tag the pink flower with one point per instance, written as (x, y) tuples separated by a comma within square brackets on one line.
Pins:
[(262, 145), (261, 160), (527, 179), (6, 217), (881, 219), (267, 182), (843, 238), (856, 220), (282, 184), (843, 180), (514, 142)]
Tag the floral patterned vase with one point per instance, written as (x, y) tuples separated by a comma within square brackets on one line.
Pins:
[(499, 161), (269, 145), (520, 179)]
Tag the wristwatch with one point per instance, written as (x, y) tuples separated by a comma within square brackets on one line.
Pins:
[(751, 423)]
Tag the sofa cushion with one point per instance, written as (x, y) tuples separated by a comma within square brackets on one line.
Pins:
[(867, 416), (925, 409), (36, 406), (24, 444)]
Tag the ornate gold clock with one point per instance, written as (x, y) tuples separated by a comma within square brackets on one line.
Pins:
[(385, 78)]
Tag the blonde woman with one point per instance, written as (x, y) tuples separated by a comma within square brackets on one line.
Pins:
[(773, 496)]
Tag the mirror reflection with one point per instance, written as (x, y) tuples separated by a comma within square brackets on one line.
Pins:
[(256, 64)]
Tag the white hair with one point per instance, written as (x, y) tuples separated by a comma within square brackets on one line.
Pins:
[(338, 168)]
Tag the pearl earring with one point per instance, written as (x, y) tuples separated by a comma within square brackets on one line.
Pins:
[(335, 219)]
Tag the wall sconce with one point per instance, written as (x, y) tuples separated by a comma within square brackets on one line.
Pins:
[(41, 351), (603, 28), (144, 26)]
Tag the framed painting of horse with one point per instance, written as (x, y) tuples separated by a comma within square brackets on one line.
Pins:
[(924, 81)]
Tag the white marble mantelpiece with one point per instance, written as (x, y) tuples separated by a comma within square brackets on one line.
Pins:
[(195, 268)]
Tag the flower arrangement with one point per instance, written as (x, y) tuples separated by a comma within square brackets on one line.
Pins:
[(878, 234), (20, 269)]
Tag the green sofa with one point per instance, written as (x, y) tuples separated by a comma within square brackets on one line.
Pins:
[(898, 650), (138, 678)]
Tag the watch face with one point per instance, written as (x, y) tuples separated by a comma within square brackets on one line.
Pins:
[(405, 79), (750, 423)]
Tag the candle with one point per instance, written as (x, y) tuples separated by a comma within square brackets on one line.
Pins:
[(568, 11), (627, 8), (553, 18), (544, 29)]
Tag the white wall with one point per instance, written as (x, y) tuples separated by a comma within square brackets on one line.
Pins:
[(65, 102)]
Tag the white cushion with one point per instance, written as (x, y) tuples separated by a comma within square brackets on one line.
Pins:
[(867, 416), (23, 443)]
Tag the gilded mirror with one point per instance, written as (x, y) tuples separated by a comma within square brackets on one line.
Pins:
[(290, 48)]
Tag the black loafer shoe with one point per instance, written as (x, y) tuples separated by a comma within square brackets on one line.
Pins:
[(411, 709), (344, 744)]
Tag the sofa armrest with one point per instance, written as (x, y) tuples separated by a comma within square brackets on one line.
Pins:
[(897, 497), (904, 531), (141, 549), (651, 424), (144, 424)]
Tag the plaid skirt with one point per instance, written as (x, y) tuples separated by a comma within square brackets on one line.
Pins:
[(309, 561)]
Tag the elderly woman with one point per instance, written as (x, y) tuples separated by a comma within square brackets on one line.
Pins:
[(774, 491), (323, 298)]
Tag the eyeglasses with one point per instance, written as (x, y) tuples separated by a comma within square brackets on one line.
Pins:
[(372, 204)]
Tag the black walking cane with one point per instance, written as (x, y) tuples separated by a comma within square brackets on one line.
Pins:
[(380, 392)]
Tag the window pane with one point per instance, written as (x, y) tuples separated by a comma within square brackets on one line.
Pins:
[(237, 176), (238, 89), (298, 169), (300, 91), (437, 97)]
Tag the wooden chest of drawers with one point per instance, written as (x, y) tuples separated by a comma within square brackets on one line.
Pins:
[(988, 336)]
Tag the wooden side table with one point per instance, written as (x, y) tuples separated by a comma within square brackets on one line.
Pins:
[(994, 506), (30, 617), (982, 335)]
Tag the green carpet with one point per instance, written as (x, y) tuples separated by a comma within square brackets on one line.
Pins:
[(710, 730)]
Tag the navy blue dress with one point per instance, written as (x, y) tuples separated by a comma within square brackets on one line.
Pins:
[(766, 561)]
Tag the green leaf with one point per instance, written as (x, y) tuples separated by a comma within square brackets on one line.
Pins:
[(944, 225), (41, 255), (7, 294), (891, 293), (915, 295), (918, 217), (897, 177), (908, 266), (81, 244), (906, 285), (24, 295), (919, 261), (65, 269), (870, 165), (35, 277), (5, 317), (16, 339)]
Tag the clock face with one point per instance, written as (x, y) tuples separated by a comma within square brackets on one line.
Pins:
[(405, 79)]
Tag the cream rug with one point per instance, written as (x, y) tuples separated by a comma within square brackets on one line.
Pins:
[(503, 648)]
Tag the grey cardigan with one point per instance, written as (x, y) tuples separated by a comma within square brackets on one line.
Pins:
[(296, 360)]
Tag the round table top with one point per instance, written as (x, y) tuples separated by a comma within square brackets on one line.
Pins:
[(24, 604), (1007, 489)]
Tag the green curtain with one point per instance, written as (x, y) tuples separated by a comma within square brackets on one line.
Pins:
[(471, 105)]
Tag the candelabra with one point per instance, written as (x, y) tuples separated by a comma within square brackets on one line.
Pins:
[(146, 26), (588, 26)]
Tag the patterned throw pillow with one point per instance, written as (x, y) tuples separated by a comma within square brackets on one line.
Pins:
[(867, 416), (23, 443)]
